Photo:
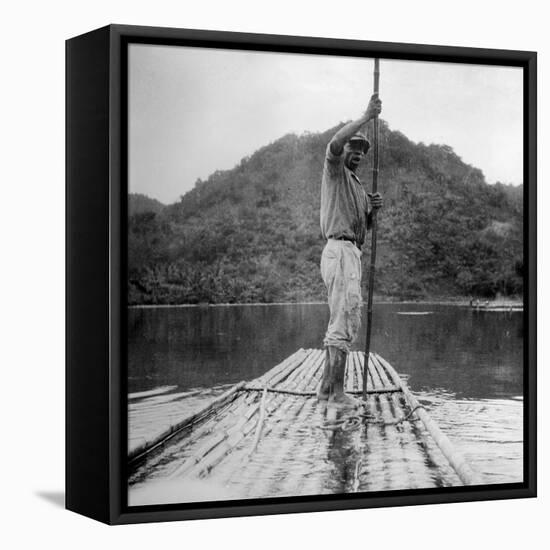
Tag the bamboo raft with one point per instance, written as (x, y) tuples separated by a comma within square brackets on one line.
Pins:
[(498, 306), (272, 437)]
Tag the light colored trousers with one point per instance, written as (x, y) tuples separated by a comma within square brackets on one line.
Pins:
[(341, 272)]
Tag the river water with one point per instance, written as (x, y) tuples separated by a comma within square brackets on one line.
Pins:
[(465, 366)]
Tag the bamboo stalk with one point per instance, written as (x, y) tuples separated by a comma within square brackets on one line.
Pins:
[(420, 436), (150, 393), (294, 482), (374, 230), (315, 380), (387, 415), (212, 444), (290, 411), (370, 377), (287, 366), (355, 376), (349, 374), (163, 409), (241, 430), (398, 410), (282, 408), (420, 439), (405, 435), (376, 380), (207, 456), (160, 400), (287, 375), (304, 371), (394, 470), (455, 458), (274, 377), (309, 369), (372, 436), (260, 423), (358, 370), (279, 372), (427, 448), (143, 450)]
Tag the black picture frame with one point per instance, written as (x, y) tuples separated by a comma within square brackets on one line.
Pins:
[(96, 228)]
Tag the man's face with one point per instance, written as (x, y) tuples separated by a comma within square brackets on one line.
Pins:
[(353, 154)]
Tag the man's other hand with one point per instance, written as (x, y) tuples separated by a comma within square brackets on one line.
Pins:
[(376, 201)]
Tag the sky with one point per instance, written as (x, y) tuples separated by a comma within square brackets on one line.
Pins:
[(193, 111)]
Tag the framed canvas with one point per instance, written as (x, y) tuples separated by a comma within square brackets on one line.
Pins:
[(249, 217)]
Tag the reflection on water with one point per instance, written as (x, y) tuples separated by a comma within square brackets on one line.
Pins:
[(464, 366), (488, 432)]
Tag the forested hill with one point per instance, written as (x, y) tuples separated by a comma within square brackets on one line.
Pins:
[(251, 234), (138, 203)]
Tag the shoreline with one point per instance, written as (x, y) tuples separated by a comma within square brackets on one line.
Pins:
[(461, 302)]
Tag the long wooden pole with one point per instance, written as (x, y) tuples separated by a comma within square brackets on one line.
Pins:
[(455, 458), (374, 227)]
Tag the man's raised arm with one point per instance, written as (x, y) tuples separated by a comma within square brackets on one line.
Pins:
[(342, 136)]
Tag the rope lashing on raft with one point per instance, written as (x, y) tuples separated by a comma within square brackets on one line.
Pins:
[(351, 422), (391, 389)]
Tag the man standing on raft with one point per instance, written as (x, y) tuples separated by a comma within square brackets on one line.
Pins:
[(345, 219)]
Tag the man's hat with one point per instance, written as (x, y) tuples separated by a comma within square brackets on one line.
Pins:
[(361, 137)]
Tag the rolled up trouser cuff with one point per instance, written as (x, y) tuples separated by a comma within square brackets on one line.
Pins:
[(339, 344), (341, 272)]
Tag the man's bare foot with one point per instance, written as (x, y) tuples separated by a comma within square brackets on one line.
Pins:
[(323, 394), (343, 401)]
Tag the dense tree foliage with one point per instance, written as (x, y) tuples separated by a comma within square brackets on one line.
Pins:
[(251, 234), (138, 203)]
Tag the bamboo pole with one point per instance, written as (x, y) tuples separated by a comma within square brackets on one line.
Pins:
[(358, 374), (349, 374), (374, 228), (276, 410), (405, 436), (421, 437), (309, 371), (393, 400), (213, 450), (139, 452), (155, 401), (291, 411), (149, 393), (148, 444), (288, 369), (358, 368), (455, 458), (260, 424), (393, 473), (382, 400), (388, 433), (287, 366), (240, 431), (371, 464)]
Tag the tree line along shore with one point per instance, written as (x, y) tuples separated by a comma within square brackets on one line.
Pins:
[(251, 234)]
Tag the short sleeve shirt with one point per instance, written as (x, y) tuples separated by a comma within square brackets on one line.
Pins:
[(344, 205)]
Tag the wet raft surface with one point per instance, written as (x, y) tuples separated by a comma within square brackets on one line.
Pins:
[(266, 444)]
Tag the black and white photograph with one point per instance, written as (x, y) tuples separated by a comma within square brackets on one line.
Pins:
[(274, 275), (291, 214)]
